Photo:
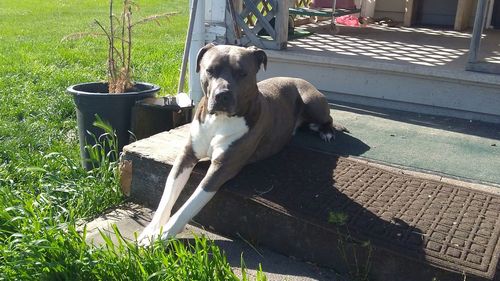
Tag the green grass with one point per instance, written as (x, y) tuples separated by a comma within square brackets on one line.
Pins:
[(43, 189)]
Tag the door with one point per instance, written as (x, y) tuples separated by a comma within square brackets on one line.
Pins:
[(436, 13), (495, 16)]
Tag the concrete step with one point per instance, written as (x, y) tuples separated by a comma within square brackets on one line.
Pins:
[(422, 89), (131, 219), (339, 212)]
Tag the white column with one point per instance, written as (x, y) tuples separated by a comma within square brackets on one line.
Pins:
[(215, 20), (368, 8), (490, 14), (477, 31), (197, 43)]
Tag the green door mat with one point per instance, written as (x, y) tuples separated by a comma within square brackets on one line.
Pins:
[(453, 147)]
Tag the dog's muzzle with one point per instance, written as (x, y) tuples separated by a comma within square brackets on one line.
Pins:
[(222, 101)]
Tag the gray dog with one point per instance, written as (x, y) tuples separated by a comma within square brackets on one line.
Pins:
[(238, 121)]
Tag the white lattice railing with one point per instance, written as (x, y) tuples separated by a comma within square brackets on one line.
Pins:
[(263, 23)]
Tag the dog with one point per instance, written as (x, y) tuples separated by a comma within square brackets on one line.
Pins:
[(238, 121)]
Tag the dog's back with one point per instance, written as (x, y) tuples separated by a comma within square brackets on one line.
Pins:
[(302, 102)]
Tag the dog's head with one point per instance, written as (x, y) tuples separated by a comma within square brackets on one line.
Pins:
[(228, 76)]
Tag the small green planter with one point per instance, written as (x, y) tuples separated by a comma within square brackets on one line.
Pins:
[(93, 99)]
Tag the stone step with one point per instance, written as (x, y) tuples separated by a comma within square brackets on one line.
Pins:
[(131, 219), (454, 93), (351, 215)]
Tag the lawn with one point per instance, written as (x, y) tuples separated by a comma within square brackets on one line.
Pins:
[(43, 190)]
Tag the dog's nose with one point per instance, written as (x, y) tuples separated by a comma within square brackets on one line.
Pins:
[(222, 96)]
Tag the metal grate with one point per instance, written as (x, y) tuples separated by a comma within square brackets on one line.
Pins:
[(449, 226)]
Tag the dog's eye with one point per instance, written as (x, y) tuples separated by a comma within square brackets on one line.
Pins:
[(210, 71)]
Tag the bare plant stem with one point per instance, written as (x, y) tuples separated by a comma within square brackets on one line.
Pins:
[(110, 59), (123, 32), (119, 60), (112, 70), (129, 27)]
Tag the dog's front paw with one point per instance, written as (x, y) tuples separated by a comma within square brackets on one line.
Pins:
[(145, 241), (148, 236), (170, 230)]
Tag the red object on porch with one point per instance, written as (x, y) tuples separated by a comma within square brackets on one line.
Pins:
[(348, 20), (341, 4)]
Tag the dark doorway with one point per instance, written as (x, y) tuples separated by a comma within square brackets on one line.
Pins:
[(495, 17), (436, 13)]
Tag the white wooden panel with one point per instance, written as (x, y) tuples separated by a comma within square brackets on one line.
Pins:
[(408, 86)]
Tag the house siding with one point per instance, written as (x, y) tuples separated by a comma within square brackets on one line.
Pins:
[(430, 12), (394, 9)]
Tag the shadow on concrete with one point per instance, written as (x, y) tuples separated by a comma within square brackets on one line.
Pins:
[(344, 144), (302, 204), (276, 266), (404, 45)]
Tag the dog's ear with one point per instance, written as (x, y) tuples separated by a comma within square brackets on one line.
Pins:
[(260, 55), (201, 52)]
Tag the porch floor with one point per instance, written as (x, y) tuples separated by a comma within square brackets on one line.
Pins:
[(405, 46), (412, 69)]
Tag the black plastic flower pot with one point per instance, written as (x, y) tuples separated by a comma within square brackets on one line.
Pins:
[(93, 99)]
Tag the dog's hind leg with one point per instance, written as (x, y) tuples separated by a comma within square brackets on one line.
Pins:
[(177, 179), (316, 114), (327, 130)]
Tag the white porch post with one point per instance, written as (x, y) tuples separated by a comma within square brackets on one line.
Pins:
[(478, 31), (368, 8), (490, 14), (209, 26), (215, 19), (197, 42), (474, 62)]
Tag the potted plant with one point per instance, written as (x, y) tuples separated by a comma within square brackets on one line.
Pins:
[(113, 100)]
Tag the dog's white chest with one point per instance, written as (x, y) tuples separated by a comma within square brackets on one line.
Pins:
[(212, 137)]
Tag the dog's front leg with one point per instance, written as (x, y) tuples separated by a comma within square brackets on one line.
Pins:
[(216, 176), (177, 179)]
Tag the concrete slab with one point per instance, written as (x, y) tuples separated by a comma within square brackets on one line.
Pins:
[(131, 218), (419, 228)]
